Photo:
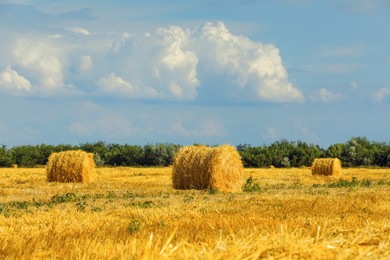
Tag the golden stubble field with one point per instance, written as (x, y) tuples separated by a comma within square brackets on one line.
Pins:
[(133, 213)]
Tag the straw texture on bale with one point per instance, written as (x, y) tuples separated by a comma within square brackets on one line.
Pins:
[(70, 166), (200, 167), (326, 166), (14, 165)]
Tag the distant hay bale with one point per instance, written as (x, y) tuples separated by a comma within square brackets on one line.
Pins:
[(327, 167), (70, 166), (14, 165), (200, 167)]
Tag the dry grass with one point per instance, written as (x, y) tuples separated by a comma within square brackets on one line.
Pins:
[(134, 213), (70, 166), (200, 167)]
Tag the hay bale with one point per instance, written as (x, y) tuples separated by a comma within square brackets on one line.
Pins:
[(327, 167), (200, 167), (70, 166), (14, 165)]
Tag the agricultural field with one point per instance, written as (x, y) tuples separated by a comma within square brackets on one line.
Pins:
[(134, 213)]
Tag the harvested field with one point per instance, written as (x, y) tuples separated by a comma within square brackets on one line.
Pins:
[(135, 213)]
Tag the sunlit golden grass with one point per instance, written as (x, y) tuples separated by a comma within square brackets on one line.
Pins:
[(131, 213)]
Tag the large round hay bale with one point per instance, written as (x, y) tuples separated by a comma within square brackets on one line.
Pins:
[(70, 166), (326, 166), (200, 167)]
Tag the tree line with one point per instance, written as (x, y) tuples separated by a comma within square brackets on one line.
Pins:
[(356, 152)]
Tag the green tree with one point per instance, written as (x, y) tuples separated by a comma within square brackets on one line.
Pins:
[(335, 151), (254, 156), (280, 152), (159, 154), (303, 154), (25, 155), (99, 149), (5, 158), (133, 155), (358, 152), (381, 152), (44, 151)]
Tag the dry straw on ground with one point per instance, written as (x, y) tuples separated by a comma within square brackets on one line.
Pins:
[(70, 166), (327, 166), (200, 167)]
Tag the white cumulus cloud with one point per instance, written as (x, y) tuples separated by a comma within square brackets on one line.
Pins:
[(160, 65), (41, 60), (113, 82), (249, 64), (12, 80), (179, 62), (116, 85)]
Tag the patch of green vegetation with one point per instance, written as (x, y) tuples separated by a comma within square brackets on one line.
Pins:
[(128, 195), (111, 195), (295, 185), (338, 184), (134, 226), (188, 198), (146, 204), (96, 209), (99, 196), (10, 208), (142, 204), (383, 182), (213, 191), (317, 192), (4, 210), (354, 183), (251, 186), (81, 205), (68, 197)]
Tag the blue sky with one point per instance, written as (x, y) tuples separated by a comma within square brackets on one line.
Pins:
[(233, 71)]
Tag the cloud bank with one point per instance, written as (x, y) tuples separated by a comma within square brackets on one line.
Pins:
[(172, 63)]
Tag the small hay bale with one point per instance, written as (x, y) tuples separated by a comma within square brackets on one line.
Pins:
[(14, 165), (327, 167), (200, 167), (70, 166)]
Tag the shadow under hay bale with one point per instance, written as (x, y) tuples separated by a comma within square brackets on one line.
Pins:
[(70, 166), (327, 167), (200, 167)]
